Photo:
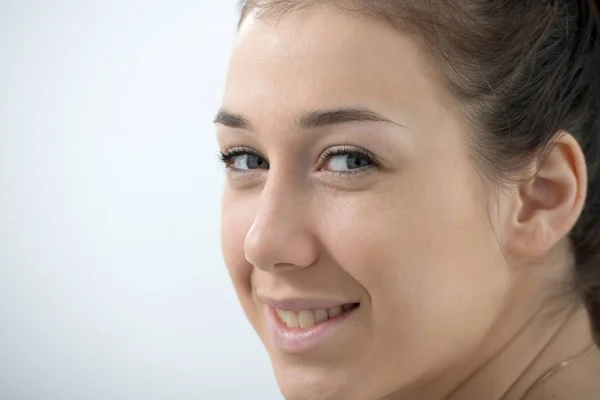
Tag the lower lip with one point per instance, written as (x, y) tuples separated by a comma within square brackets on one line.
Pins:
[(298, 340)]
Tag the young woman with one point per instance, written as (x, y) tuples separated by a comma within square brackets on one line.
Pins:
[(412, 203)]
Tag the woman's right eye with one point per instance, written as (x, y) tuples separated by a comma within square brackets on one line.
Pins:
[(243, 160)]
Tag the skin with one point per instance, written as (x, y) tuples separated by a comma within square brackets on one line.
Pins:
[(451, 272)]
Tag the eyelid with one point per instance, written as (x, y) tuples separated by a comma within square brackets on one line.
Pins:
[(233, 152), (226, 157), (239, 150), (348, 150), (344, 150)]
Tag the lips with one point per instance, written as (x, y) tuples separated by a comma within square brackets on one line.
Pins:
[(301, 326)]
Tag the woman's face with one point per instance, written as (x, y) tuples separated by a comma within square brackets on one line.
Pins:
[(349, 183)]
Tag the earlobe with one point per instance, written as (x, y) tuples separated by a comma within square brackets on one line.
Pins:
[(549, 204)]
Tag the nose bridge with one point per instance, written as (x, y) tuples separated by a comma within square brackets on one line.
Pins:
[(281, 237)]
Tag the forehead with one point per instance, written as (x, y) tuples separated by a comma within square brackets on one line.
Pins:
[(321, 57)]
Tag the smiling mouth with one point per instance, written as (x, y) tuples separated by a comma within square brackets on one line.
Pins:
[(308, 318)]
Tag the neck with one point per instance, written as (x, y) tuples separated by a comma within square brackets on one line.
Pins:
[(543, 342), (527, 342), (535, 334)]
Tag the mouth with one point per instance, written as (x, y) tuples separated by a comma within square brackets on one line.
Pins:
[(306, 319), (304, 330)]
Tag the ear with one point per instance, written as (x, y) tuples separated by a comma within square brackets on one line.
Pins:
[(548, 205)]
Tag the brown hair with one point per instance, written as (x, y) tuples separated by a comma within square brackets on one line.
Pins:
[(522, 70)]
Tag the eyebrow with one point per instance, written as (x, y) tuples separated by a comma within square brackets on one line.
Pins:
[(309, 120), (232, 120)]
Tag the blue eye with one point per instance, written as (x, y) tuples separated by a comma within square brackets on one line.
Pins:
[(243, 160), (347, 160)]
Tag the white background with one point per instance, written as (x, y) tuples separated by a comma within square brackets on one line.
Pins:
[(112, 284)]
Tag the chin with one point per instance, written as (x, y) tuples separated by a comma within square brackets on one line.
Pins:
[(324, 384), (315, 390)]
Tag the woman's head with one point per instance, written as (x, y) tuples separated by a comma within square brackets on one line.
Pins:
[(434, 163)]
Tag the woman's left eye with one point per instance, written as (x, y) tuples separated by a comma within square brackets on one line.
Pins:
[(346, 160)]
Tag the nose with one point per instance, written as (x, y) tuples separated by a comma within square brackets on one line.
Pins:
[(281, 239)]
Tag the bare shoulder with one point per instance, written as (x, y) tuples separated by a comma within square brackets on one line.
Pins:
[(580, 381)]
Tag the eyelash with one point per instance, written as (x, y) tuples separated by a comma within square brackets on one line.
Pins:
[(228, 156), (350, 151)]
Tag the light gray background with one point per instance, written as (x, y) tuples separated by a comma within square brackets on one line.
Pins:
[(112, 284)]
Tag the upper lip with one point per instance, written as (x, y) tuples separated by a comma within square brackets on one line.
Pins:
[(300, 303)]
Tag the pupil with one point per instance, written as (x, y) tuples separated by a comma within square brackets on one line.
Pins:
[(254, 162), (356, 161)]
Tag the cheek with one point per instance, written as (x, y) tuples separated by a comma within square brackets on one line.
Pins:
[(429, 261), (236, 219)]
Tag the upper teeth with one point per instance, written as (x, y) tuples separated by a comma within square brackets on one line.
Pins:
[(307, 318)]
